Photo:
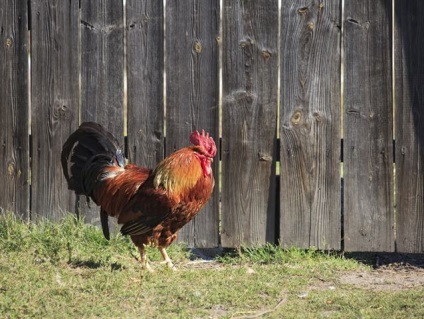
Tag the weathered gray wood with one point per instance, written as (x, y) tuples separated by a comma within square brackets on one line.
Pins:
[(409, 95), (102, 74), (368, 134), (102, 64), (54, 102), (249, 121), (145, 63), (310, 124), (192, 95), (14, 149)]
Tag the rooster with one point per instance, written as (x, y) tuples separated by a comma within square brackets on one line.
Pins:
[(151, 204)]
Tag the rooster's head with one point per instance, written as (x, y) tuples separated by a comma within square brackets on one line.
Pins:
[(205, 141)]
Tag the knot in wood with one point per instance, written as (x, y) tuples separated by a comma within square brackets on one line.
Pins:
[(198, 47), (264, 157), (140, 134), (249, 98), (403, 150), (9, 42), (11, 169), (297, 116), (61, 112), (302, 10), (317, 116), (266, 54), (311, 25), (245, 43), (367, 25)]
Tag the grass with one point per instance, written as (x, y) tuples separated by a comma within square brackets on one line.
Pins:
[(69, 270)]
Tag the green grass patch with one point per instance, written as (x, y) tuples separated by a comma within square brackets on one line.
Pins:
[(69, 270)]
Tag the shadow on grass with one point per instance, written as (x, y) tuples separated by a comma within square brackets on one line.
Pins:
[(91, 264)]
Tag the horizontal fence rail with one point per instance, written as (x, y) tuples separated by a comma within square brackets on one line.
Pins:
[(279, 83)]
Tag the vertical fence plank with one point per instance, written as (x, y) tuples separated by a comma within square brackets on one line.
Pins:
[(368, 136), (192, 94), (249, 121), (310, 124), (409, 95), (102, 74), (14, 149), (54, 101), (145, 63), (102, 64)]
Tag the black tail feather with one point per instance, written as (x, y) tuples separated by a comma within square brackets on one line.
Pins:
[(84, 155), (105, 224)]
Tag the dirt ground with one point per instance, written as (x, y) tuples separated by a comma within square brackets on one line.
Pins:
[(391, 271), (386, 279)]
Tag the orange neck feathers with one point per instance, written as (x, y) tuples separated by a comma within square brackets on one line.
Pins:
[(182, 170)]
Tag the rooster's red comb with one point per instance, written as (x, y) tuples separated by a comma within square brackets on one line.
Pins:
[(204, 140)]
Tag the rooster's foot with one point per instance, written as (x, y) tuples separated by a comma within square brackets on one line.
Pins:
[(144, 262), (166, 259)]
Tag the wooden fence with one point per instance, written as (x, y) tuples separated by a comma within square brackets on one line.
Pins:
[(319, 106)]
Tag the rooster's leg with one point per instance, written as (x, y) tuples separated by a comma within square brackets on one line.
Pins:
[(144, 262), (166, 258)]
